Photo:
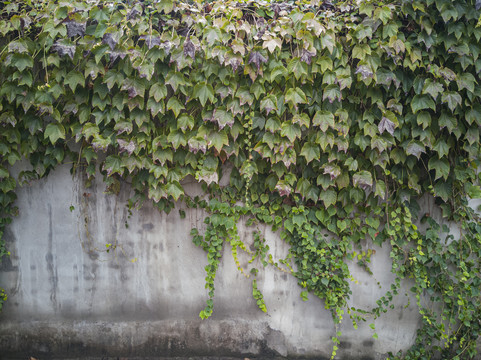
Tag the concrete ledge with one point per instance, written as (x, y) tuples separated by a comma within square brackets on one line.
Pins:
[(144, 339)]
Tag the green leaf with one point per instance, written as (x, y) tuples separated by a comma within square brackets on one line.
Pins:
[(175, 105), (158, 91), (113, 164), (73, 79), (297, 67), (380, 189), (332, 93), (466, 81), (203, 92), (415, 148), (447, 121), (54, 131), (443, 190), (185, 121), (177, 139), (223, 118), (310, 151), (218, 139), (290, 130), (473, 191), (268, 104), (295, 96), (432, 88), (424, 119), (441, 166), (328, 197), (452, 98), (21, 61), (420, 102), (174, 189), (362, 179), (324, 119)]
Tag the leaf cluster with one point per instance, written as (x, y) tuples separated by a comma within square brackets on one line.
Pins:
[(335, 119)]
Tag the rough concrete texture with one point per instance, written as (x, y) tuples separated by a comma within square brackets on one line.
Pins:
[(70, 298)]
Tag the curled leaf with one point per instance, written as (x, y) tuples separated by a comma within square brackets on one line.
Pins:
[(64, 49), (189, 48), (75, 29), (129, 147), (386, 125), (257, 59)]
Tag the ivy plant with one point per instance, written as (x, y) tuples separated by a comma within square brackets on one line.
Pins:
[(334, 118)]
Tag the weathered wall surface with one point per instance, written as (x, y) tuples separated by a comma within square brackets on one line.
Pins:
[(68, 297)]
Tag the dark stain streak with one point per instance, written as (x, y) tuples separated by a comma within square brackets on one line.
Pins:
[(52, 270), (148, 226)]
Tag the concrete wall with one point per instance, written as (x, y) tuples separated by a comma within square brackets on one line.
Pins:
[(69, 298)]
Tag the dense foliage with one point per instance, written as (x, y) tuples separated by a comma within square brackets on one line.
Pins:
[(335, 120)]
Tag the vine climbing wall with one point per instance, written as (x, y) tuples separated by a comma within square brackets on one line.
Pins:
[(331, 125)]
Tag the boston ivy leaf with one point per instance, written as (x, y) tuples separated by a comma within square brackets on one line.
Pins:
[(177, 139), (310, 151), (452, 98), (256, 58), (218, 139), (54, 131), (158, 91), (432, 88), (332, 170), (328, 197), (443, 189), (73, 79), (207, 175), (441, 148), (420, 102), (150, 40), (268, 104), (441, 166), (386, 125), (212, 34), (307, 55), (415, 148), (424, 119), (447, 121), (189, 48), (75, 28), (111, 39), (332, 93), (113, 164), (472, 135), (467, 81), (203, 92), (324, 119), (362, 179), (64, 48), (21, 61), (290, 130), (297, 67), (380, 189), (271, 43), (175, 79), (473, 191), (295, 96), (174, 189), (185, 121), (175, 105), (222, 117), (134, 86)]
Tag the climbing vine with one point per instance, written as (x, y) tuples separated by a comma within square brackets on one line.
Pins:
[(335, 118)]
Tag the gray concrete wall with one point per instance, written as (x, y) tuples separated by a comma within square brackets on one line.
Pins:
[(69, 298)]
